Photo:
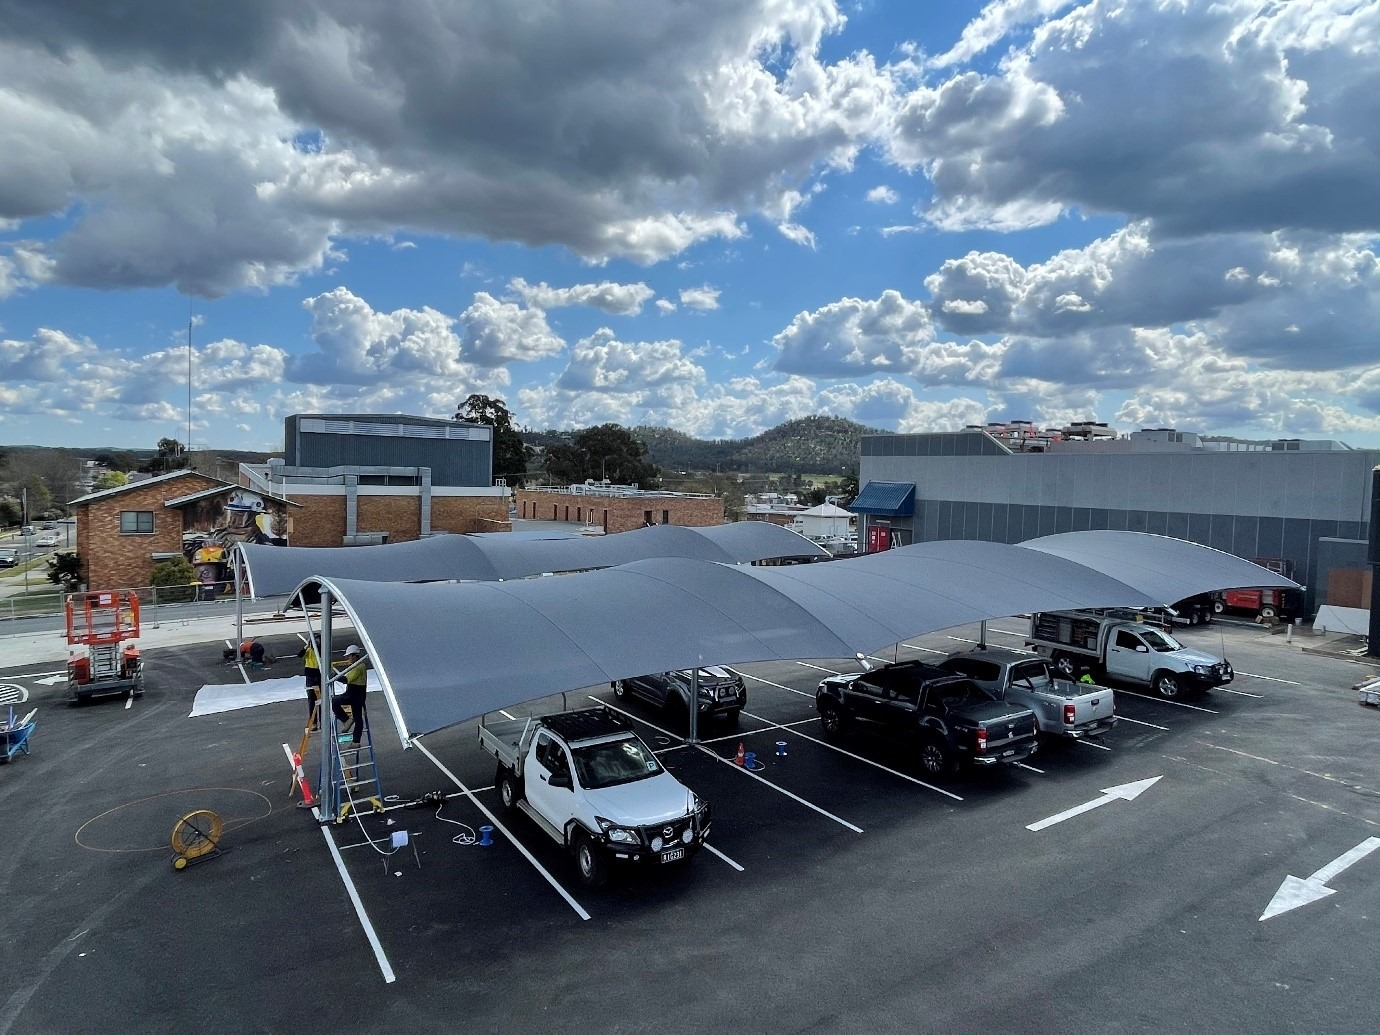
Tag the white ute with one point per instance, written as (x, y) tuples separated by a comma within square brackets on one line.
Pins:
[(590, 783)]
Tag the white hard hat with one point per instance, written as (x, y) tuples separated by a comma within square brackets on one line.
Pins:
[(351, 650)]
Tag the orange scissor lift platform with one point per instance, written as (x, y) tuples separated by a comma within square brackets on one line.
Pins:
[(100, 661)]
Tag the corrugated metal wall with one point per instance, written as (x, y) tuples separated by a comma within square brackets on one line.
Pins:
[(1252, 504)]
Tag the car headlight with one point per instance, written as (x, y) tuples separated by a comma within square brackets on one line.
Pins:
[(617, 834), (1202, 670)]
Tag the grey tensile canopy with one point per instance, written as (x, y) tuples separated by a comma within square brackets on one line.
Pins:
[(1158, 565), (490, 556), (449, 652)]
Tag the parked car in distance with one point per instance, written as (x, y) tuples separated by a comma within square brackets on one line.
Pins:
[(48, 539), (722, 692), (47, 525), (948, 719), (27, 530), (1064, 709), (9, 557)]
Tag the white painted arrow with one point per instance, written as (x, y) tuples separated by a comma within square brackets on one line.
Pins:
[(1122, 792), (50, 680), (1295, 892)]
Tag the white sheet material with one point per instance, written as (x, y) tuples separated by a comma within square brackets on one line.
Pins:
[(211, 700)]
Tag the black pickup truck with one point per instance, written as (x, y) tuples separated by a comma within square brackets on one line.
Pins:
[(949, 716)]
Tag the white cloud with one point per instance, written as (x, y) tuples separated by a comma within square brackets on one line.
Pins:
[(501, 332), (665, 306), (883, 195), (602, 363), (994, 23), (703, 297), (218, 152), (613, 298), (892, 334), (1263, 119)]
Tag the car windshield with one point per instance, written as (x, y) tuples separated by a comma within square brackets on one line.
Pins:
[(1160, 642), (614, 762)]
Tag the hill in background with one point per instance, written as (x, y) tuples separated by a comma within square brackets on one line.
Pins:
[(810, 445)]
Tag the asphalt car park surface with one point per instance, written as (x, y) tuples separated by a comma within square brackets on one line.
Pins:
[(847, 890)]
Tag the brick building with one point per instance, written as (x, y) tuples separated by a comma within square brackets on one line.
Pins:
[(123, 532), (619, 508)]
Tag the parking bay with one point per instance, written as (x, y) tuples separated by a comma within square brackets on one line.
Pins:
[(941, 914)]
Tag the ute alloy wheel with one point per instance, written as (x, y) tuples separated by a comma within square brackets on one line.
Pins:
[(1065, 667), (831, 719), (934, 757), (1167, 685), (594, 868), (619, 688)]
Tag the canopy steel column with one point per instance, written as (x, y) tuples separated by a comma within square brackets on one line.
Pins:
[(238, 560), (693, 733), (1373, 555), (329, 806)]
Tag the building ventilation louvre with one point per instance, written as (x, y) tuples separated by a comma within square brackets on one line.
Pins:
[(355, 427)]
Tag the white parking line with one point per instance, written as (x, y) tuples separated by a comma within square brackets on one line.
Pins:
[(1008, 632), (1272, 679), (819, 668), (779, 686), (794, 797), (506, 715), (927, 650), (1022, 765), (350, 889), (740, 734), (960, 639), (710, 848), (1240, 693), (1138, 722), (579, 909), (860, 758), (1091, 744), (36, 675), (1164, 700)]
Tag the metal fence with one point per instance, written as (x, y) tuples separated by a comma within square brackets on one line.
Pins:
[(208, 599)]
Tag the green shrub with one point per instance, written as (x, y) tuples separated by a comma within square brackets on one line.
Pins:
[(174, 582)]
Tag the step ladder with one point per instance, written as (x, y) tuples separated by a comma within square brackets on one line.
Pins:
[(354, 775)]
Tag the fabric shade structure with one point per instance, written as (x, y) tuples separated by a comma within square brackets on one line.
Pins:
[(1164, 568), (493, 556), (445, 653)]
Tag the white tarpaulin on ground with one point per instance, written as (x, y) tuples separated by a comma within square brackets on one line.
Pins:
[(231, 697)]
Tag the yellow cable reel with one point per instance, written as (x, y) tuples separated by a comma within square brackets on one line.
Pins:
[(195, 835)]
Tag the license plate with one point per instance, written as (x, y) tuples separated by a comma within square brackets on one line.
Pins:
[(673, 855)]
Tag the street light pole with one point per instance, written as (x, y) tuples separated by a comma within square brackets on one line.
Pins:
[(24, 531)]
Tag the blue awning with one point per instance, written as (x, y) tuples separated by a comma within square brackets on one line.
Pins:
[(885, 499)]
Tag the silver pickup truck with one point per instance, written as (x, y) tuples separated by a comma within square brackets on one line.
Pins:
[(1062, 708)]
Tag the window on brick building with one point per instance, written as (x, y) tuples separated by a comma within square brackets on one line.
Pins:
[(665, 517), (132, 521)]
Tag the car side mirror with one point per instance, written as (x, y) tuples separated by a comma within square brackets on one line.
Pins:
[(1142, 649), (561, 780)]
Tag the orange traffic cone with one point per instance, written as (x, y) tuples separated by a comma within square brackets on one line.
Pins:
[(301, 779), (741, 757)]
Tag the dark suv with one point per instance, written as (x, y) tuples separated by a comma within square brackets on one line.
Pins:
[(722, 692), (9, 557)]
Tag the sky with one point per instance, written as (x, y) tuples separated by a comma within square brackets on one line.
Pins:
[(710, 215)]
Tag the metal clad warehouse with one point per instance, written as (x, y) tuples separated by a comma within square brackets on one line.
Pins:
[(1298, 501), (457, 453)]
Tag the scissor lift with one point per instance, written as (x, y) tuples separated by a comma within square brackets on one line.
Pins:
[(100, 661)]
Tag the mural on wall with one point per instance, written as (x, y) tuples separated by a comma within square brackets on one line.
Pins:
[(213, 525)]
